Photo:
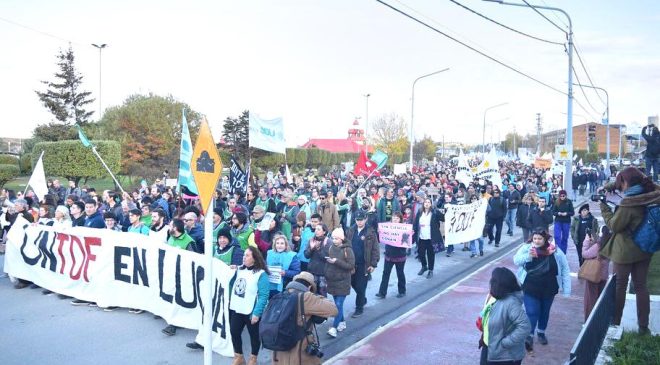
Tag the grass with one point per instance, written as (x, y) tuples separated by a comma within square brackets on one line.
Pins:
[(635, 349), (654, 276)]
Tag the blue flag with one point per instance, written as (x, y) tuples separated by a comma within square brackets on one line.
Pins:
[(185, 174), (83, 137)]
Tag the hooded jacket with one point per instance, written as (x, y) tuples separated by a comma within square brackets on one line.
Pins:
[(338, 275), (621, 248), (508, 326)]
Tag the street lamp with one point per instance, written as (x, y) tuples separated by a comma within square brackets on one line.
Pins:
[(606, 121), (569, 123), (483, 134), (366, 124), (412, 111), (100, 47)]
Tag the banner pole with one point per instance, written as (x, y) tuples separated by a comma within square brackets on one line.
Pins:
[(28, 184), (364, 182), (107, 168), (208, 279)]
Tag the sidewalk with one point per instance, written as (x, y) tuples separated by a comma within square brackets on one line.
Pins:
[(442, 330)]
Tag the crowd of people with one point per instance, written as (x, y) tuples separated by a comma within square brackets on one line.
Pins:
[(325, 227)]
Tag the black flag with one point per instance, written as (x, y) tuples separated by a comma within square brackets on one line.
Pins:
[(237, 177)]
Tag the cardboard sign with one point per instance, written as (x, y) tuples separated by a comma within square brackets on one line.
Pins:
[(541, 163), (395, 234)]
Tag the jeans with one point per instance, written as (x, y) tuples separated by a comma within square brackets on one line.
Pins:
[(652, 163), (426, 252), (473, 245), (526, 233), (538, 311), (400, 275), (339, 302), (359, 284), (497, 224), (511, 219), (639, 272), (237, 322), (561, 235)]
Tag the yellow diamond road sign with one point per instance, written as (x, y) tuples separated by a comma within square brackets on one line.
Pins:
[(206, 165)]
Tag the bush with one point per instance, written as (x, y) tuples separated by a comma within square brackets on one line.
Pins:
[(74, 161), (591, 158), (8, 160), (25, 164), (8, 172), (635, 349)]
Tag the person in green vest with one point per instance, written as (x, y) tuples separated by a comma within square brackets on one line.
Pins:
[(146, 214), (266, 202), (241, 230), (218, 223), (136, 225), (258, 214), (227, 249)]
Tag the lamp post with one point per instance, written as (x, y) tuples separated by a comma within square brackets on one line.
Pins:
[(100, 47), (569, 122), (366, 124), (483, 134), (606, 121), (412, 111)]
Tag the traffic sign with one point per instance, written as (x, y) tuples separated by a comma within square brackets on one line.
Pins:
[(206, 165), (563, 152)]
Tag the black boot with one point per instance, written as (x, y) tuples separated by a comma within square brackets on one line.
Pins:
[(422, 270)]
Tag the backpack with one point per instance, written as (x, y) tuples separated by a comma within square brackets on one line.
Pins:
[(647, 235), (278, 327)]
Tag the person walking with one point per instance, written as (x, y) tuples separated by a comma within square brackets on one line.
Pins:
[(495, 213), (364, 241), (340, 264), (513, 199), (523, 216), (562, 210), (639, 192), (590, 247), (394, 256), (582, 225), (426, 232), (317, 254), (652, 155), (543, 271)]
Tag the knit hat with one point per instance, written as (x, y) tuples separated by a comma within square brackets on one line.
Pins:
[(339, 233), (307, 277), (218, 211), (563, 192), (225, 232), (583, 207)]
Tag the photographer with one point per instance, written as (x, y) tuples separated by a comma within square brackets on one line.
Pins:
[(652, 154), (316, 308), (638, 193)]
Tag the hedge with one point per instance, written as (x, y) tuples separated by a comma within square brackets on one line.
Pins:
[(25, 163), (8, 160), (71, 159), (8, 172)]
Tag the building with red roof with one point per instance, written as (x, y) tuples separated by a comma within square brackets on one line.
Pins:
[(354, 143)]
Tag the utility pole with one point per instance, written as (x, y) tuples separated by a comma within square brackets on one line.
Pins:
[(514, 142), (538, 133)]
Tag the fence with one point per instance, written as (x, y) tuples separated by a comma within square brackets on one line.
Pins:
[(588, 343)]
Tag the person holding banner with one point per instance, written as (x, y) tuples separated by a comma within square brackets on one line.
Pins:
[(427, 232), (479, 240), (394, 256), (248, 297)]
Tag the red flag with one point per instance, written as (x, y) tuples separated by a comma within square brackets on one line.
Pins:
[(364, 166)]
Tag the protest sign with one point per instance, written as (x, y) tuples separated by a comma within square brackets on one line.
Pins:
[(541, 163), (264, 225), (399, 168), (237, 178), (464, 223), (275, 276), (122, 269), (395, 234)]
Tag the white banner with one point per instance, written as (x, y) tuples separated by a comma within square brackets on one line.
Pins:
[(399, 168), (122, 269), (463, 172), (489, 169), (267, 135), (464, 223)]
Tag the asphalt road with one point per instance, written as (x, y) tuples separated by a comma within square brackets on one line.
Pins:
[(39, 329)]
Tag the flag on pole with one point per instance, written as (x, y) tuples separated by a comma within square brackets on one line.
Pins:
[(38, 179), (83, 137), (289, 178), (364, 166), (267, 135), (380, 158), (237, 177), (185, 175)]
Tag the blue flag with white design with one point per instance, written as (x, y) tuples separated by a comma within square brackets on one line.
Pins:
[(185, 174)]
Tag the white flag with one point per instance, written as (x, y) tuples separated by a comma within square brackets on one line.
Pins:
[(267, 135), (289, 178), (38, 179)]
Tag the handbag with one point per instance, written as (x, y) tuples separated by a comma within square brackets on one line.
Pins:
[(590, 271)]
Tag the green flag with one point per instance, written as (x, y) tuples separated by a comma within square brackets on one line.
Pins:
[(82, 137), (380, 158)]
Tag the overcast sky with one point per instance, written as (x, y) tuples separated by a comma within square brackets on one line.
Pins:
[(311, 62)]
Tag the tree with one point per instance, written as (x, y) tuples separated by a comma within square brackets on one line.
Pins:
[(148, 127), (424, 149), (65, 99), (508, 142), (74, 161), (7, 173), (389, 134), (236, 133)]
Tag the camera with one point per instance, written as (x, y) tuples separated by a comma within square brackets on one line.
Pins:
[(598, 198), (313, 349)]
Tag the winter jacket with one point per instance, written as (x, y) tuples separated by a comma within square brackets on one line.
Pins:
[(306, 235), (281, 259), (314, 305), (563, 207), (590, 250), (620, 248), (338, 275), (329, 215), (95, 221), (564, 272), (436, 235), (371, 247), (513, 198), (652, 142), (539, 220), (184, 242), (317, 256), (197, 233), (496, 208), (575, 224), (381, 213), (523, 214), (508, 326), (235, 257), (243, 236)]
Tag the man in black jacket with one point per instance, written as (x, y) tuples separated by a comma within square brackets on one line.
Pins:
[(513, 198), (652, 154), (495, 216)]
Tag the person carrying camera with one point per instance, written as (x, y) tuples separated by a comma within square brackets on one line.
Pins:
[(639, 192), (316, 309), (652, 154), (584, 224)]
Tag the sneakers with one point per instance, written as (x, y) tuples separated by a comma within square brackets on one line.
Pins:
[(473, 255), (332, 332), (194, 346), (135, 311), (79, 302), (490, 242), (421, 271), (529, 343), (342, 326), (380, 295), (169, 330), (497, 245), (481, 252), (542, 339), (92, 304), (429, 274), (401, 295), (46, 292), (21, 285), (109, 309), (358, 312)]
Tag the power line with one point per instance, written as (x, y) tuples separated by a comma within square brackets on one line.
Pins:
[(471, 48), (505, 26), (39, 31), (577, 78), (543, 15), (554, 14), (587, 72)]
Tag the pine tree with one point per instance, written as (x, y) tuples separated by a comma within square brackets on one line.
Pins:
[(236, 132), (64, 97)]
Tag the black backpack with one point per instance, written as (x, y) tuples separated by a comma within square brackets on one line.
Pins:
[(278, 327)]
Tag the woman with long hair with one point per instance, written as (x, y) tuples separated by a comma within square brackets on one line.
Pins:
[(283, 257), (562, 210), (590, 247), (340, 264), (395, 256), (639, 192), (317, 253), (427, 232), (543, 271)]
